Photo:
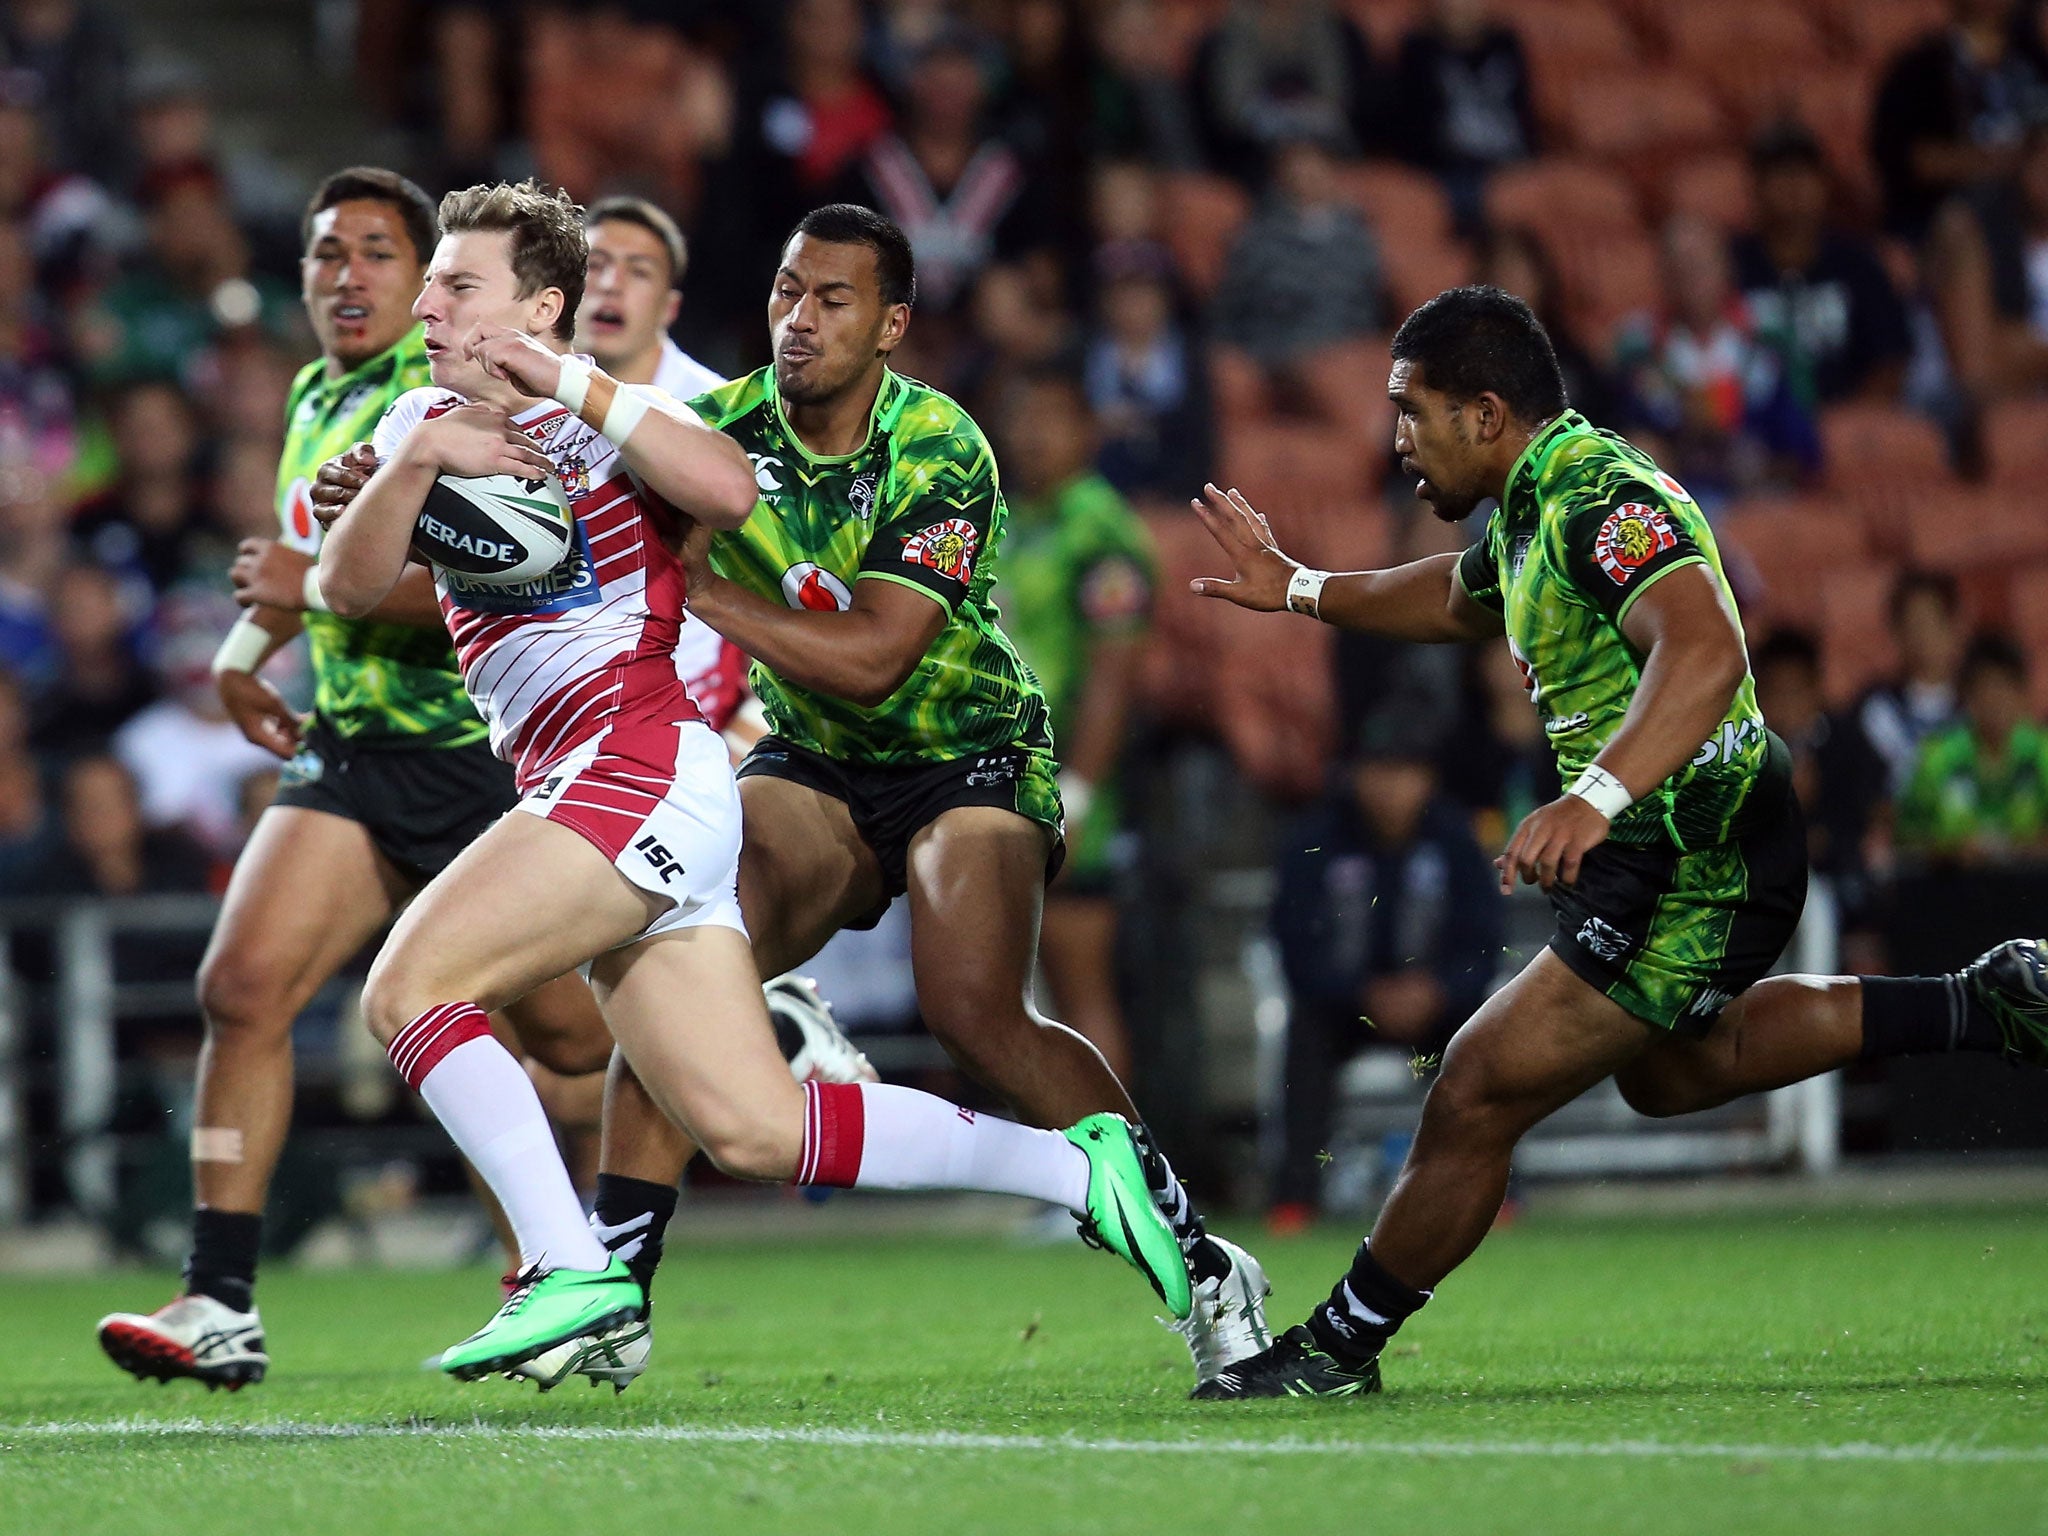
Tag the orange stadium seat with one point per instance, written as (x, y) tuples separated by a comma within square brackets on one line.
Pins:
[(1855, 627), (1878, 30), (1275, 701), (2028, 614), (1652, 113), (1835, 103), (1973, 530), (2016, 442), (1752, 54), (1203, 214), (1606, 279), (1791, 541), (1402, 202), (1564, 40), (1419, 270), (1385, 22), (1177, 28), (1559, 197), (1715, 187), (1881, 445), (1298, 471)]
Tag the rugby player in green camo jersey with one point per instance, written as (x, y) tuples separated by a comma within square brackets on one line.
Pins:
[(1675, 860), (389, 780), (909, 750)]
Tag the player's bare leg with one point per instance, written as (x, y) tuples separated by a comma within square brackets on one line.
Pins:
[(1782, 1030), (1077, 950)]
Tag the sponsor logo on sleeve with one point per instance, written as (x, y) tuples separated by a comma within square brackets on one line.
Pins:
[(809, 585), (1630, 539), (946, 547)]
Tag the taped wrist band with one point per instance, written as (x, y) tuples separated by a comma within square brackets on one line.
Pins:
[(573, 388), (627, 408), (1602, 791), (311, 595), (243, 650), (1305, 592)]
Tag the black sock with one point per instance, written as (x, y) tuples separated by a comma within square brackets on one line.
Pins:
[(632, 1215), (1366, 1308), (1206, 1261), (1920, 1015), (223, 1260)]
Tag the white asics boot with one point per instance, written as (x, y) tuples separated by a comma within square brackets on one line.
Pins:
[(1228, 1323), (618, 1355), (813, 1044), (194, 1336)]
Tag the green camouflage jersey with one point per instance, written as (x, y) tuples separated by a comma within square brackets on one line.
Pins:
[(378, 685), (916, 504), (1960, 795), (1587, 525)]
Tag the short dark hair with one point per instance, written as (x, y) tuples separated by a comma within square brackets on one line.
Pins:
[(1795, 646), (1914, 582), (1477, 338), (374, 184), (1785, 141), (851, 224), (1990, 651), (549, 247), (650, 217)]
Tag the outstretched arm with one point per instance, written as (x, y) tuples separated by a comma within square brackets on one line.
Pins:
[(1421, 601)]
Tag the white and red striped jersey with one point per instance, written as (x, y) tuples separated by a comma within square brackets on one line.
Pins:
[(714, 669), (552, 663)]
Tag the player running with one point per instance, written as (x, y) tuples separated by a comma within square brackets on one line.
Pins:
[(624, 853), (909, 750), (391, 778), (1676, 859)]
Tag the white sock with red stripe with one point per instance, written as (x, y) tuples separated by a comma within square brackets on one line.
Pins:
[(488, 1106), (876, 1136)]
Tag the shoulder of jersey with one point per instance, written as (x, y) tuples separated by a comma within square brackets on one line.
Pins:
[(929, 419), (732, 400)]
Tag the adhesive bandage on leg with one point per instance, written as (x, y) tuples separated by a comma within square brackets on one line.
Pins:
[(216, 1144)]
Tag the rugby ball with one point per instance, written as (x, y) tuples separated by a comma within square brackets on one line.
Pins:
[(496, 529)]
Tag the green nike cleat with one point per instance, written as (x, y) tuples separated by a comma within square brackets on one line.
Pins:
[(1295, 1366), (545, 1310), (2011, 981), (1122, 1215)]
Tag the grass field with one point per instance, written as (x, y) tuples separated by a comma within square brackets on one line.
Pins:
[(1863, 1373)]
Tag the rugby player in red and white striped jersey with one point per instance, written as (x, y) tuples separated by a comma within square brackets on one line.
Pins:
[(624, 851)]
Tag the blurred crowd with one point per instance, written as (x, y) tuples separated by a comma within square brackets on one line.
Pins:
[(1796, 248)]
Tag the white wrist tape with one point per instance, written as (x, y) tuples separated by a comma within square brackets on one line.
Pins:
[(243, 650), (574, 385), (1305, 592), (311, 596), (624, 414), (1602, 791)]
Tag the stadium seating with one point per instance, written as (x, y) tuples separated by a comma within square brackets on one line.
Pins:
[(1558, 198), (2016, 442), (1790, 540), (1714, 186), (1202, 214), (1854, 627), (1642, 118)]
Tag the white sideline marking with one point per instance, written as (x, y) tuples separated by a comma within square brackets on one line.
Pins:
[(941, 1440)]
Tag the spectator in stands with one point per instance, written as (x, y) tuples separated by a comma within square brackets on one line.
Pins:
[(100, 681), (1021, 325), (30, 832), (1512, 258), (1146, 383), (146, 525), (1388, 917), (37, 419), (1702, 375), (1819, 289), (1140, 109), (1300, 295), (1840, 780), (1387, 687), (1496, 762), (108, 850), (77, 55), (188, 759), (1919, 700), (31, 553), (70, 219), (1275, 72), (194, 283), (964, 197), (1078, 578), (1979, 793), (1464, 107), (1987, 269), (1952, 108)]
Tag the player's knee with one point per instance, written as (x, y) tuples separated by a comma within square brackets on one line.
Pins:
[(392, 999), (981, 1029), (565, 1050), (743, 1147), (242, 996), (1659, 1095), (1465, 1106)]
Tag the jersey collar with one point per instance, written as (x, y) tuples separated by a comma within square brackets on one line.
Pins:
[(387, 361), (1531, 459), (888, 405)]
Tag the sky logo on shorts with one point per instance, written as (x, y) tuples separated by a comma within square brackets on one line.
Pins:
[(572, 584)]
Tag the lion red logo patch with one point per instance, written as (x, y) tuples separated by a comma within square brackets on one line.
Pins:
[(1631, 538), (947, 548)]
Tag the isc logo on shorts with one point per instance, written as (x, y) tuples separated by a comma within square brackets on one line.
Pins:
[(572, 584)]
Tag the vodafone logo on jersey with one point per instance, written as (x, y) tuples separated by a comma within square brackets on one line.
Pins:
[(808, 585), (301, 531)]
